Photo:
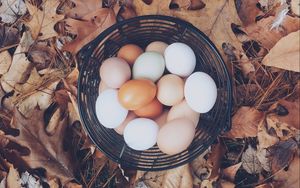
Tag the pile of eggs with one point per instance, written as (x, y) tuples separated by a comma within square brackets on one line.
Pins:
[(148, 107)]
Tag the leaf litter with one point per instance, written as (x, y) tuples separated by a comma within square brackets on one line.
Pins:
[(39, 76)]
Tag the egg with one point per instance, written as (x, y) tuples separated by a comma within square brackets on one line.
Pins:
[(120, 128), (175, 136), (141, 133), (183, 110), (180, 59), (151, 110), (162, 118), (157, 46), (103, 87), (200, 92), (149, 65), (170, 89), (115, 72), (109, 111), (135, 94), (129, 53)]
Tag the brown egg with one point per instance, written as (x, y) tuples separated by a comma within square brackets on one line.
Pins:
[(175, 136), (157, 46), (135, 94), (151, 110), (162, 119), (120, 128), (130, 52)]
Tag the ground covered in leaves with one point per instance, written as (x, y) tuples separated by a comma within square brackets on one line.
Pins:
[(42, 143)]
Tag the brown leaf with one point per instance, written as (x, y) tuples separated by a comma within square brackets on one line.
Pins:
[(295, 6), (226, 184), (88, 28), (261, 31), (41, 55), (215, 158), (72, 185), (43, 21), (231, 171), (285, 54), (250, 161), (83, 7), (282, 130), (265, 140), (5, 62), (13, 178), (201, 168), (8, 36), (215, 18), (248, 12), (45, 151), (245, 123), (289, 178)]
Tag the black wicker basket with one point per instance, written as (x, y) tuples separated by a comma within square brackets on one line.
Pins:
[(141, 31)]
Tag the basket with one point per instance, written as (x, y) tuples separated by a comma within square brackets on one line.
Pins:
[(141, 31)]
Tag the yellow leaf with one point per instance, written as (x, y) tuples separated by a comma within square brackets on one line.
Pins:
[(285, 54)]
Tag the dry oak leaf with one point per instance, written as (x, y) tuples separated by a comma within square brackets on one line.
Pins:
[(245, 123), (5, 62), (45, 151), (214, 19), (231, 171), (10, 10), (261, 30), (289, 178), (43, 21), (82, 8), (88, 28), (9, 36), (285, 54)]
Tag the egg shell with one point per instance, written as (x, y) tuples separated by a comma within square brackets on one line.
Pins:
[(149, 65), (183, 110), (175, 136), (157, 46), (115, 72), (103, 87), (162, 119), (130, 52), (170, 89), (109, 111), (180, 59), (120, 128), (200, 92), (141, 133), (151, 110), (135, 94)]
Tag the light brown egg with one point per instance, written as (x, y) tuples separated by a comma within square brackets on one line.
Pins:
[(151, 110), (130, 52), (183, 110), (135, 94), (120, 129), (162, 119), (170, 89), (157, 46), (175, 136)]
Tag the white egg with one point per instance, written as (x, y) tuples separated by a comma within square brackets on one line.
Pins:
[(180, 59), (149, 65), (200, 92), (109, 111), (141, 133)]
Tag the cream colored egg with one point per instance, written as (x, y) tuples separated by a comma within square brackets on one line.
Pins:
[(120, 128), (183, 110), (157, 46), (170, 89), (103, 87)]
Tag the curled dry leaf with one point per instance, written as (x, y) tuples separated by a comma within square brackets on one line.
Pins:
[(82, 8), (265, 140), (248, 11), (42, 21), (285, 54), (231, 171), (9, 36), (282, 130), (250, 161), (261, 31), (10, 10), (41, 55), (245, 123), (5, 62), (88, 28)]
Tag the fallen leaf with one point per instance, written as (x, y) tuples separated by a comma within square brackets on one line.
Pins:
[(43, 21), (215, 18), (285, 54), (9, 36), (88, 28), (72, 185), (261, 31), (82, 8), (265, 185), (248, 11), (289, 178), (263, 157), (231, 171), (282, 153), (10, 10), (245, 123), (226, 184), (250, 161), (45, 151), (265, 140), (295, 7), (42, 55), (282, 130), (215, 158), (5, 62), (201, 168), (30, 181), (20, 66), (13, 178)]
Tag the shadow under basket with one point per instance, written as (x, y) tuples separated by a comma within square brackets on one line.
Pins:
[(141, 31)]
